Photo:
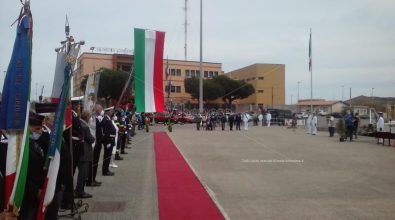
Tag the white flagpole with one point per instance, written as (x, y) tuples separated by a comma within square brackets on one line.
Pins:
[(201, 58), (311, 73)]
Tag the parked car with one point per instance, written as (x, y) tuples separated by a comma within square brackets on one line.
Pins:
[(162, 117), (279, 116), (185, 118)]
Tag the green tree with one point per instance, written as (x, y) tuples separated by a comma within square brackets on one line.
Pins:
[(211, 90), (233, 89), (192, 87), (111, 84)]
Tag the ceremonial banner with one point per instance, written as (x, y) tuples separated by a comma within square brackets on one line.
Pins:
[(55, 143), (14, 112), (148, 81)]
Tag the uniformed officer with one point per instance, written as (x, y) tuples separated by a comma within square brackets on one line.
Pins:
[(98, 145), (109, 133), (77, 134)]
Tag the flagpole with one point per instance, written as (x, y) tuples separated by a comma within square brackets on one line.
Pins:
[(311, 74), (201, 58)]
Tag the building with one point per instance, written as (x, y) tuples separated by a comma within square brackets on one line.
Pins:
[(88, 63), (321, 105), (269, 83)]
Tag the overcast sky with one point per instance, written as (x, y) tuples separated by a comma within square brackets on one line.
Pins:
[(353, 40)]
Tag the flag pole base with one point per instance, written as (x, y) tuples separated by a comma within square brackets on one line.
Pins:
[(76, 212)]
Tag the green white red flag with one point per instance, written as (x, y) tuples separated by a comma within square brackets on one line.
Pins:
[(148, 81)]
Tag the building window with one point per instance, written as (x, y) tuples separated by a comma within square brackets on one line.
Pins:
[(215, 74), (197, 73), (178, 89), (260, 91), (187, 73), (253, 78), (261, 78), (178, 72), (193, 73), (205, 74), (211, 74)]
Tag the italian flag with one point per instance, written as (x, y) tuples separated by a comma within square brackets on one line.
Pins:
[(148, 81)]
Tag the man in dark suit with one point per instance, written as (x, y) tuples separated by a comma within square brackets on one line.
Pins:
[(77, 134), (109, 133), (98, 146), (86, 158)]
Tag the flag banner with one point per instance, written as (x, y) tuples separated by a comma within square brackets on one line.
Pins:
[(148, 81), (14, 112), (55, 142), (61, 63), (310, 55), (67, 54), (90, 96), (16, 88), (18, 190)]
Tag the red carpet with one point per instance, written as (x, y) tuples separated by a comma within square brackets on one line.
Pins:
[(180, 194)]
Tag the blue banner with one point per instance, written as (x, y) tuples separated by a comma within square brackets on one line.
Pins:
[(16, 88)]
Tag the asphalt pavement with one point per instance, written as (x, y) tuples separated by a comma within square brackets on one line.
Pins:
[(262, 173)]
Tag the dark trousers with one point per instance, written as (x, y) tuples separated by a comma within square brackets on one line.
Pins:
[(29, 205), (83, 167), (78, 150), (106, 158), (223, 125), (53, 208), (349, 130), (231, 126), (96, 156), (238, 125), (331, 131)]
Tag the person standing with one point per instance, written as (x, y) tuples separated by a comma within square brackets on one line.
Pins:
[(380, 125), (35, 172), (77, 138), (223, 121), (245, 120), (231, 120), (238, 121), (268, 118), (260, 118), (331, 126), (109, 133), (314, 121), (308, 123), (86, 158), (349, 125), (98, 145)]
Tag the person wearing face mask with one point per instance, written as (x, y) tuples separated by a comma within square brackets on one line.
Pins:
[(35, 172)]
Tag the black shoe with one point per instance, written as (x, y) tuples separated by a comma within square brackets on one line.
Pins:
[(117, 157), (83, 195), (93, 184), (124, 152), (108, 173)]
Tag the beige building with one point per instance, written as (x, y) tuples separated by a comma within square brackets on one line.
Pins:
[(269, 83), (88, 63)]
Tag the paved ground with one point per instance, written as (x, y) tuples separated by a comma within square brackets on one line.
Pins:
[(262, 173)]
